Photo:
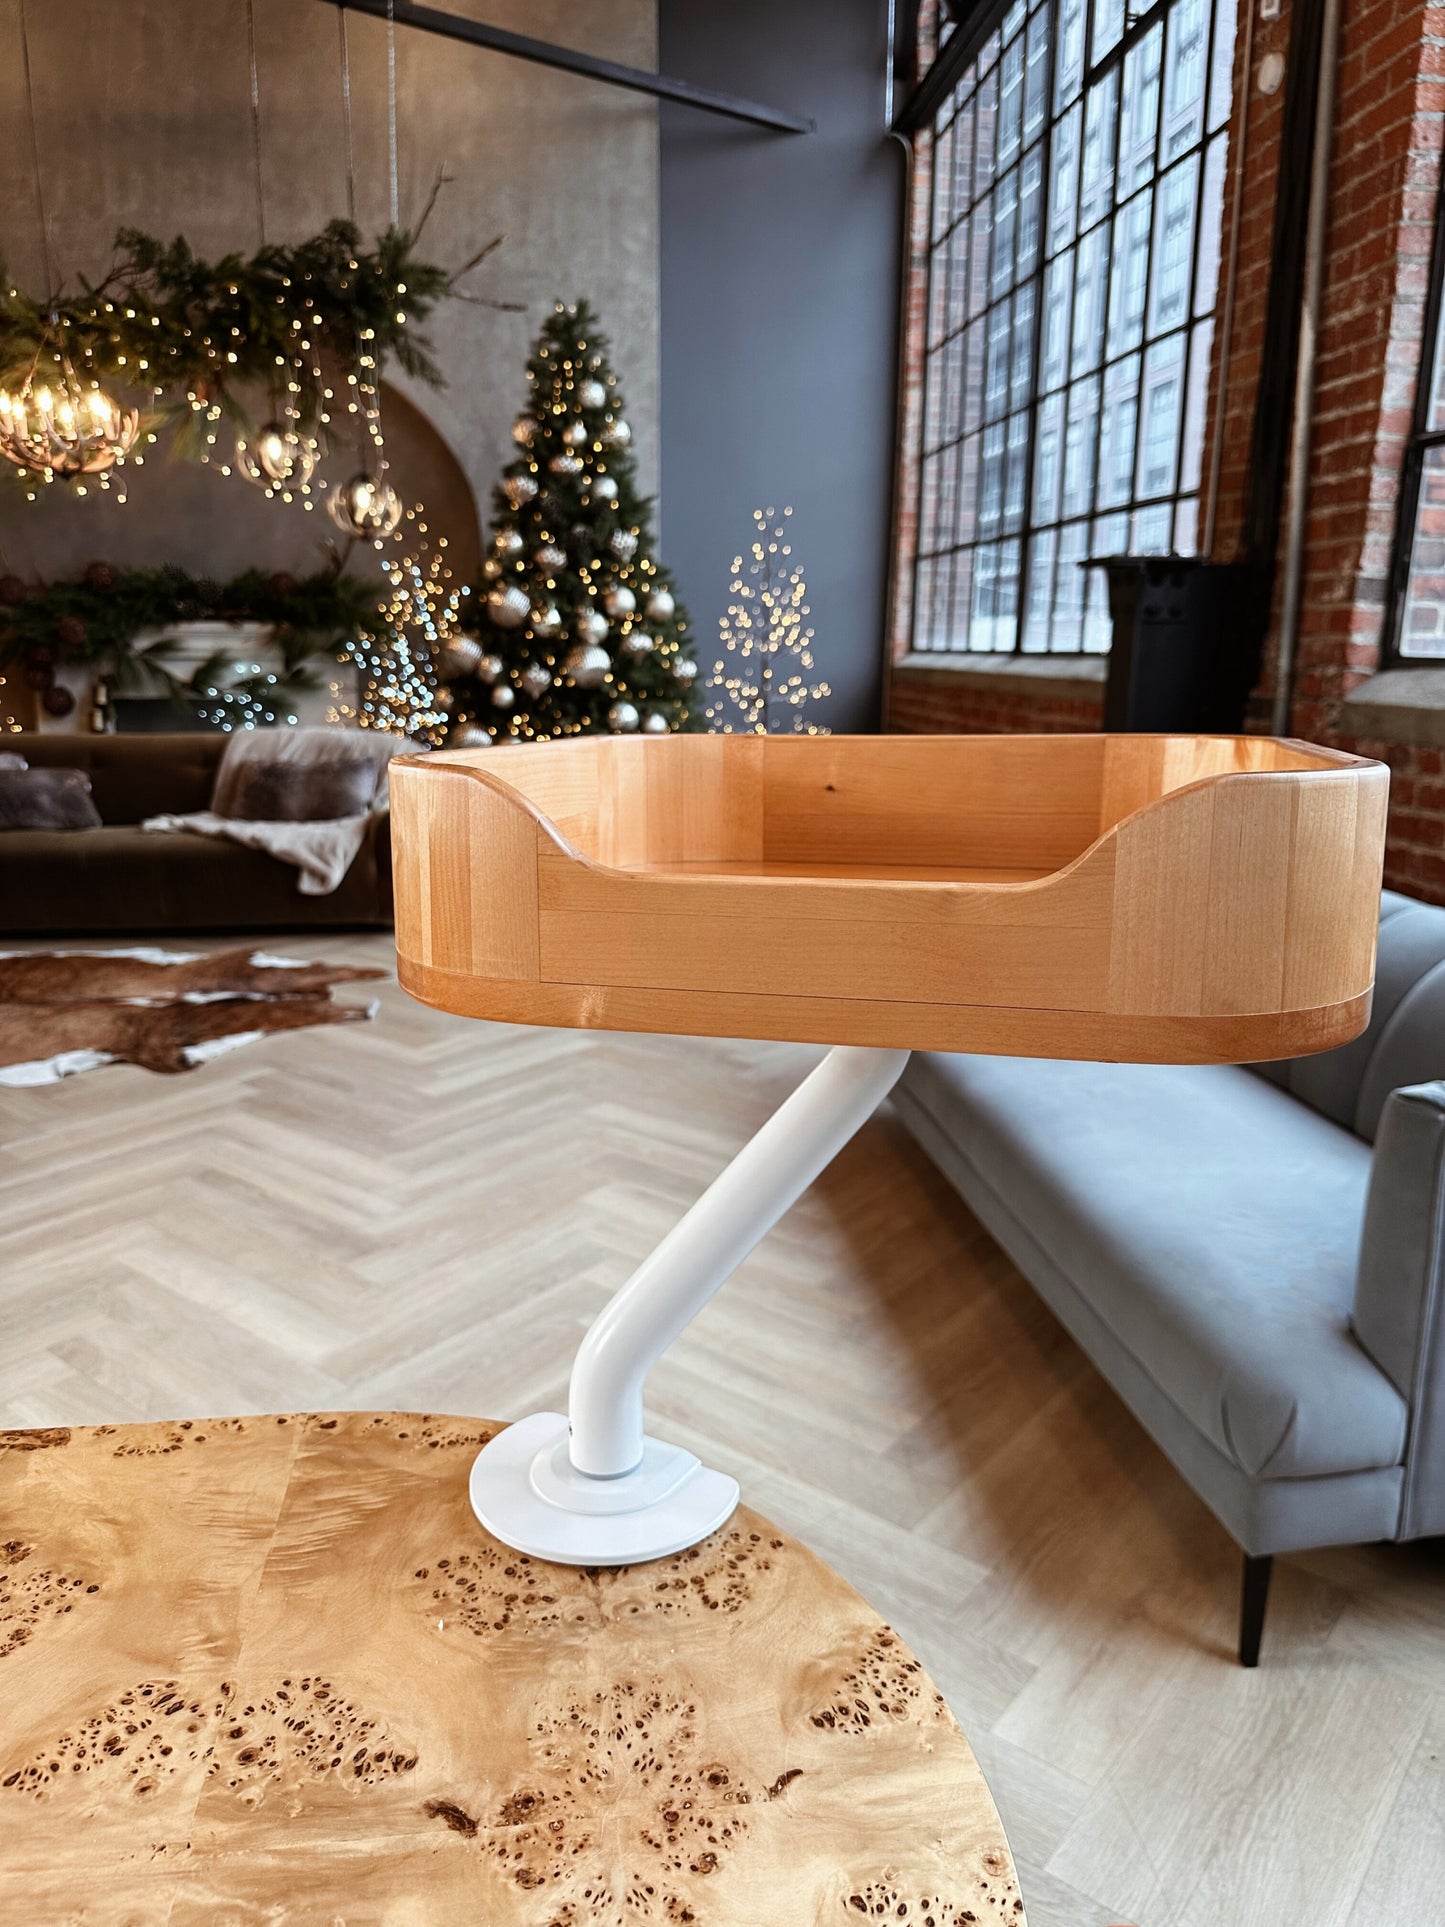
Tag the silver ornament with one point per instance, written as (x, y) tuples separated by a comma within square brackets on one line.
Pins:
[(586, 665), (508, 608), (589, 625), (619, 600), (637, 644), (470, 736), (684, 671), (574, 434), (535, 680), (462, 656), (617, 434), (661, 605), (367, 505), (489, 668), (623, 544), (508, 544), (591, 393), (654, 723), (549, 558), (520, 489), (603, 489), (277, 457), (622, 717), (524, 428), (546, 620), (503, 696), (565, 464)]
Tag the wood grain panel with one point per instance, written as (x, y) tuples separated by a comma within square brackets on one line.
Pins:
[(274, 1669), (1232, 877)]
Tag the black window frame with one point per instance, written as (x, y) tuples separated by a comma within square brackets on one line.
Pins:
[(934, 106), (1422, 438)]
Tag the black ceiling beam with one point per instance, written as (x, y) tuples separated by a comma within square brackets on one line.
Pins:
[(976, 20), (476, 33)]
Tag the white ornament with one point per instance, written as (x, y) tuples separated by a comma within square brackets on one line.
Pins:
[(524, 428), (520, 489), (503, 696), (508, 543), (508, 608), (565, 464), (591, 393), (535, 680), (489, 668), (617, 434), (549, 558), (622, 717), (574, 434), (654, 723), (661, 605), (604, 489), (590, 625), (623, 544), (586, 665), (462, 656), (685, 671), (619, 601), (637, 644), (546, 620)]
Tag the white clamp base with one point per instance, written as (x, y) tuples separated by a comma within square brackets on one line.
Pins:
[(527, 1493), (593, 1489)]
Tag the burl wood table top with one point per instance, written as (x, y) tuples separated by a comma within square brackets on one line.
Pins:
[(272, 1670)]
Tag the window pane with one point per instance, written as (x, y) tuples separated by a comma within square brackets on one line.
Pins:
[(1422, 627), (1072, 278)]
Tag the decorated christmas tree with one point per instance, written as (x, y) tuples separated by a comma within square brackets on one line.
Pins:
[(577, 627)]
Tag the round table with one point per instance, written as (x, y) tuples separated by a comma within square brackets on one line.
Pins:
[(272, 1669)]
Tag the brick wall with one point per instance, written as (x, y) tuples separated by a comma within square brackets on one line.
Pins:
[(1390, 114)]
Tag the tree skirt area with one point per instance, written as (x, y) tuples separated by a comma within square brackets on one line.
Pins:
[(63, 1011)]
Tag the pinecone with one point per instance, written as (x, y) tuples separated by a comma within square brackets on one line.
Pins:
[(100, 576), (282, 583), (57, 701), (70, 632), (12, 591)]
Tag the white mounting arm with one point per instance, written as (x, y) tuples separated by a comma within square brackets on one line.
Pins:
[(608, 1495)]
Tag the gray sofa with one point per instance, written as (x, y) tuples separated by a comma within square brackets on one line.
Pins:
[(1253, 1257)]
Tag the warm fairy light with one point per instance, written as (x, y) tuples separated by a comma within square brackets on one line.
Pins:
[(767, 655), (366, 506), (278, 457), (417, 619)]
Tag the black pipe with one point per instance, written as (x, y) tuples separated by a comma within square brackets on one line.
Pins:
[(477, 33)]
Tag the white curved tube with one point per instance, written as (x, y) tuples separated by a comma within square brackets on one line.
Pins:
[(671, 1286)]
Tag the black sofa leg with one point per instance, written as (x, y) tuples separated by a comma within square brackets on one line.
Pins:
[(1253, 1598)]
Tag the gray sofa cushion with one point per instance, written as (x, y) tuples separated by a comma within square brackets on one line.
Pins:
[(1400, 1298), (1211, 1222), (1404, 1042)]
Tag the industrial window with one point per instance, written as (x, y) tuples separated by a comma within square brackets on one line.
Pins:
[(1418, 627), (1075, 193)]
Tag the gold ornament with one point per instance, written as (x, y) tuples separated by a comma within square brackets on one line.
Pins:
[(549, 558), (520, 489), (565, 464), (524, 428)]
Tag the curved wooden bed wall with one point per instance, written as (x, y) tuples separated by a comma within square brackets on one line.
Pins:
[(1170, 899)]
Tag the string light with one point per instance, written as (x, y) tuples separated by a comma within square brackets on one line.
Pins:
[(768, 658), (420, 614)]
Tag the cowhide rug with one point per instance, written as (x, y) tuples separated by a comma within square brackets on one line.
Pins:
[(63, 1011)]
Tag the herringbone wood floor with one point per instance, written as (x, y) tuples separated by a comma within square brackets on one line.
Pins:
[(426, 1212)]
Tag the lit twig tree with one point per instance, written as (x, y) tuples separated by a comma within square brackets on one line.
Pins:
[(761, 685)]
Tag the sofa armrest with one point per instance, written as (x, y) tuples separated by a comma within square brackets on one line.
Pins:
[(1399, 1315), (380, 833)]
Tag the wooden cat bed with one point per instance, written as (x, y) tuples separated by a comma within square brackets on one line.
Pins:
[(1150, 898), (1166, 899)]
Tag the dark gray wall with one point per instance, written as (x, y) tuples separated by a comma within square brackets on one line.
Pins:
[(780, 273)]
